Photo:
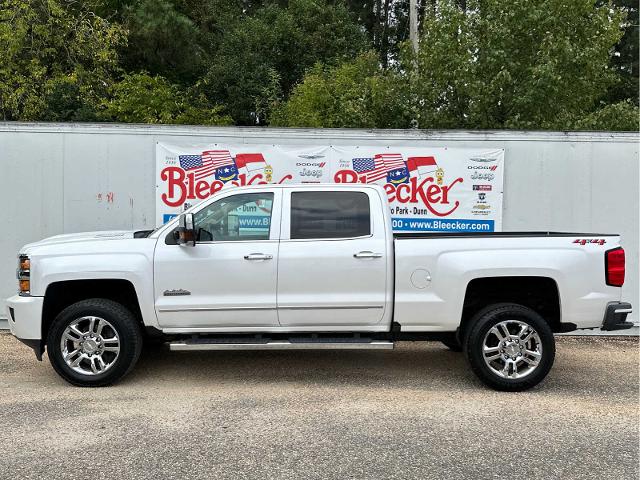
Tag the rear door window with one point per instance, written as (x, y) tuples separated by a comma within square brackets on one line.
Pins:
[(329, 215)]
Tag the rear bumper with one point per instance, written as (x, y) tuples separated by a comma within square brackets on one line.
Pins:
[(615, 316)]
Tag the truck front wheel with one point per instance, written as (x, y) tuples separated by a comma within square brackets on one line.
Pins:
[(509, 347), (94, 342), (451, 342)]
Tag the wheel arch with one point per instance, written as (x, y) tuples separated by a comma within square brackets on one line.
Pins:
[(61, 294), (539, 293)]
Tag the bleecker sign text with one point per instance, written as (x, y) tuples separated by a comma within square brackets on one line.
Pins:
[(182, 186), (428, 188), (426, 191)]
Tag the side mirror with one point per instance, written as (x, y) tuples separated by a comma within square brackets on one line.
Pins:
[(186, 233)]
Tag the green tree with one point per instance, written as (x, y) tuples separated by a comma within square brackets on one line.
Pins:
[(54, 64), (163, 40), (270, 51), (355, 94), (142, 98), (621, 116), (386, 23), (529, 64), (625, 57)]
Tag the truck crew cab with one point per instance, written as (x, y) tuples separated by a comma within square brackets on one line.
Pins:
[(312, 267)]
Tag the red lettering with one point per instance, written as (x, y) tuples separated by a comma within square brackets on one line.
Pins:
[(174, 177), (430, 196), (192, 179), (345, 176), (446, 188), (215, 187), (202, 189), (390, 190), (433, 193), (399, 193), (416, 189), (255, 178)]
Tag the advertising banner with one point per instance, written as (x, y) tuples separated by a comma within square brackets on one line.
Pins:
[(429, 189)]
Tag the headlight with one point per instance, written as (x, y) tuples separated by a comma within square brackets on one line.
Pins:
[(24, 275), (25, 263)]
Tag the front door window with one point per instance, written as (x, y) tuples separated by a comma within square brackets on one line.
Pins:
[(246, 216)]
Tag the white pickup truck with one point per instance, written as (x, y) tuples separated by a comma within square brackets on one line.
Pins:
[(312, 267)]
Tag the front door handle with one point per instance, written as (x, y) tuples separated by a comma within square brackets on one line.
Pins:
[(258, 256), (367, 254)]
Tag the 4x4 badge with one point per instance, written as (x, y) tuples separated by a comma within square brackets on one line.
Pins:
[(584, 241)]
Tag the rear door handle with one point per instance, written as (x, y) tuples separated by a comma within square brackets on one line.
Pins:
[(367, 254), (258, 256)]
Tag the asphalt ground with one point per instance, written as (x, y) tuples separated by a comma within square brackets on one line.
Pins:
[(415, 412)]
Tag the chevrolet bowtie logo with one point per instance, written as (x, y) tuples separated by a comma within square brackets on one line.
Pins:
[(175, 293)]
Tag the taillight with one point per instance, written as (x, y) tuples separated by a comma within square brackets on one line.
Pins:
[(614, 267)]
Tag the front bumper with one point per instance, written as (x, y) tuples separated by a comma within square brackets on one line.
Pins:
[(616, 315), (25, 320)]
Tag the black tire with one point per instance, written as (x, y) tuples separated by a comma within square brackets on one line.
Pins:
[(123, 322), (452, 343), (491, 316)]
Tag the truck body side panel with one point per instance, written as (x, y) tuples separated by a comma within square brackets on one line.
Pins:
[(95, 259), (432, 275)]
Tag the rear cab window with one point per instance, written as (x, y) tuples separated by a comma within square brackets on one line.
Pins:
[(329, 214)]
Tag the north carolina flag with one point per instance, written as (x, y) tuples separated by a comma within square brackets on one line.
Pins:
[(250, 161), (398, 175), (227, 173), (421, 165)]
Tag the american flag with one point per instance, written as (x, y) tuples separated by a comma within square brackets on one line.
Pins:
[(207, 163), (190, 162), (214, 159), (376, 168), (363, 164)]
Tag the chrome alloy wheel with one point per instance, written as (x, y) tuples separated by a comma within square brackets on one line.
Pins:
[(90, 345), (512, 349)]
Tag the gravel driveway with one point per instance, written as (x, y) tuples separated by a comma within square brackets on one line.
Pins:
[(415, 412)]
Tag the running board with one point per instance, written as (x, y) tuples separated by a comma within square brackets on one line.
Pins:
[(281, 345)]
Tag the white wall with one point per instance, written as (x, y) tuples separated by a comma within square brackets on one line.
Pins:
[(56, 178)]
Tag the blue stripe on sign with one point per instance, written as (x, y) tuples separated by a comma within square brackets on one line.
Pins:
[(254, 221), (168, 216), (441, 225)]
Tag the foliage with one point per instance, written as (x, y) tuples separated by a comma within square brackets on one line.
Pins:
[(519, 64), (527, 64), (524, 64), (621, 116), (164, 40), (270, 51), (355, 94), (54, 65), (142, 98)]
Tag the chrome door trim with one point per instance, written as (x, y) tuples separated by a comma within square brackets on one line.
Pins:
[(211, 309), (331, 307)]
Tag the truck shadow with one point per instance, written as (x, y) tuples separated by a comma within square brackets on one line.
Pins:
[(408, 365), (426, 366)]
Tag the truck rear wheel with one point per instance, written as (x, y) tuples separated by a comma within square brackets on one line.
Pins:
[(510, 347), (94, 342)]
